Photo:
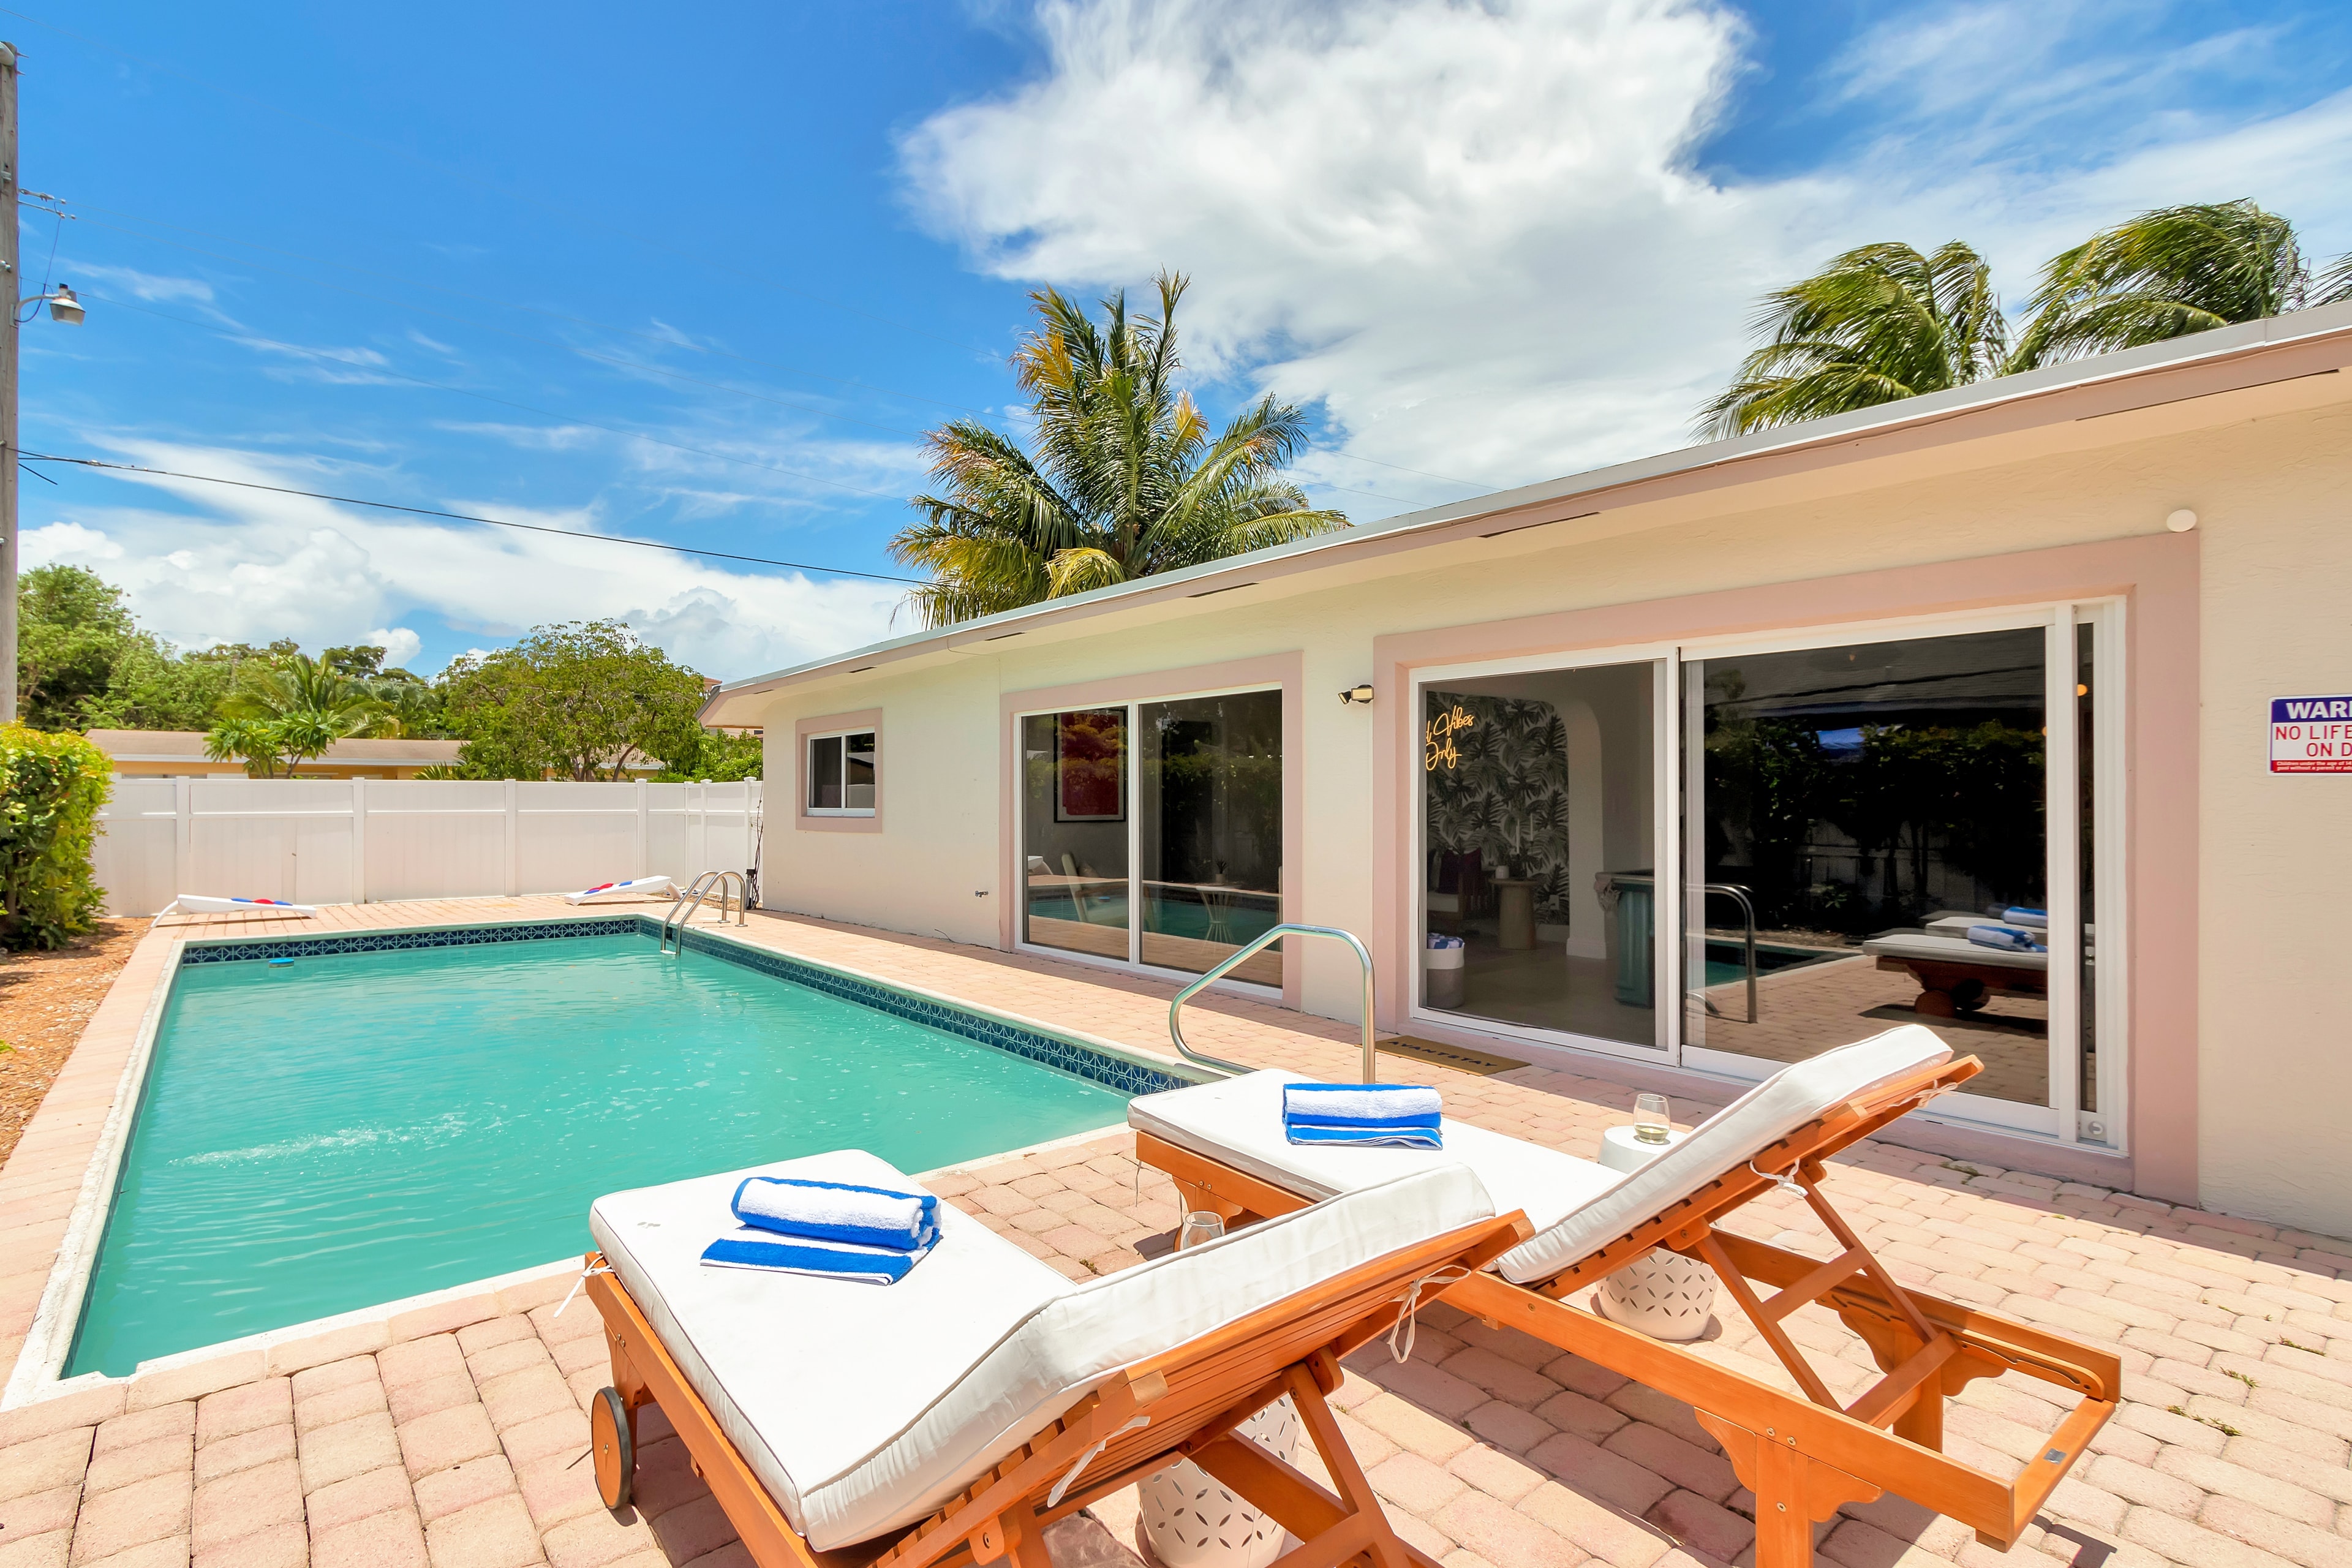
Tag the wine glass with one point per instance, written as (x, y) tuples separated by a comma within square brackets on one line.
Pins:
[(1200, 1226), (1651, 1122)]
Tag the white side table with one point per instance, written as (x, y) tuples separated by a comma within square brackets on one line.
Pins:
[(1661, 1294)]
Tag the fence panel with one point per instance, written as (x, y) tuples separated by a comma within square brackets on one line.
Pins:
[(341, 841)]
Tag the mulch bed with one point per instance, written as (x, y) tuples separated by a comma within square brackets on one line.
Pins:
[(44, 1000)]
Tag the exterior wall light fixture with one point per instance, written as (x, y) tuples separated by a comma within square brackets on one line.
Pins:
[(1361, 692)]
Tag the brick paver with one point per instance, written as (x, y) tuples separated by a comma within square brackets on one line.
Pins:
[(454, 1435)]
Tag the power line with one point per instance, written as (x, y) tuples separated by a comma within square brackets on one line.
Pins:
[(606, 326), (510, 332), (246, 337), (577, 219), (486, 300), (454, 516)]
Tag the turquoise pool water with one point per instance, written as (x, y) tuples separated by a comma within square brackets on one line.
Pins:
[(354, 1128)]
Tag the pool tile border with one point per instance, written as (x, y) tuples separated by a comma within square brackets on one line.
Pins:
[(1080, 1061)]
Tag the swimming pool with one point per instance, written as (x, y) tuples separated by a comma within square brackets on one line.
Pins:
[(377, 1119)]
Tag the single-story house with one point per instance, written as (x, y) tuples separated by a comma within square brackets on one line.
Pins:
[(2020, 710), (180, 754)]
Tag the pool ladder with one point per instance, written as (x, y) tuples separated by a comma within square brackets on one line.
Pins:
[(690, 900), (1266, 938)]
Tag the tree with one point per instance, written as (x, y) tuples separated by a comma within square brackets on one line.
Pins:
[(720, 757), (1877, 324), (580, 700), (278, 715), (2163, 275), (72, 630), (1125, 480)]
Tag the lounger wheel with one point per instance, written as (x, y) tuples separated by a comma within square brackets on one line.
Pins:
[(615, 1450), (1970, 996)]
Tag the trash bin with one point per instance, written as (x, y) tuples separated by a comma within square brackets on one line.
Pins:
[(1442, 972)]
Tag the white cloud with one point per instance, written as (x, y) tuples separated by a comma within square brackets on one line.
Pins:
[(1476, 231), (248, 566), (399, 644)]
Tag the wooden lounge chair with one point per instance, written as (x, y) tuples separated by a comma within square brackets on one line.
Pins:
[(952, 1417), (1801, 1454)]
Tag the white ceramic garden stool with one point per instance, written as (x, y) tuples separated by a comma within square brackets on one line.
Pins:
[(1661, 1294), (1192, 1521)]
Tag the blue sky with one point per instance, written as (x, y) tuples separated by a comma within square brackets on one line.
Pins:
[(706, 281)]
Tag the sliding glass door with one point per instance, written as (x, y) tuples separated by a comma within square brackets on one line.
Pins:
[(1152, 832), (1538, 848), (1899, 831), (1733, 855)]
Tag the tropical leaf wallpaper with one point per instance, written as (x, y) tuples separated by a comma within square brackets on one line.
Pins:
[(1503, 790)]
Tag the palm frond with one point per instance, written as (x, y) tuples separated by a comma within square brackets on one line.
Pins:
[(2163, 275)]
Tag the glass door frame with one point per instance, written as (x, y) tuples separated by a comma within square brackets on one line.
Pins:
[(1133, 964), (2062, 1120), (1666, 829)]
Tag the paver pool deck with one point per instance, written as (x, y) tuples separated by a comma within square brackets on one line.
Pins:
[(454, 1435)]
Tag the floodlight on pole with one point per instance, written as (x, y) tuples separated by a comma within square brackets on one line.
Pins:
[(64, 306)]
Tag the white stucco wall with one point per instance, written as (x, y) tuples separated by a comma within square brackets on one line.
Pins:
[(2275, 917), (2277, 854)]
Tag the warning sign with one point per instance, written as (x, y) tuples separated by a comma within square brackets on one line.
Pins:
[(2311, 735)]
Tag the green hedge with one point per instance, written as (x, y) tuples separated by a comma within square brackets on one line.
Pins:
[(51, 785)]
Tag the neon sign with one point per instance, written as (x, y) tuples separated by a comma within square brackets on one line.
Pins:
[(1437, 738)]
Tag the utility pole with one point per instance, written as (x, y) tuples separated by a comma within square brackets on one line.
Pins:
[(12, 278), (63, 307)]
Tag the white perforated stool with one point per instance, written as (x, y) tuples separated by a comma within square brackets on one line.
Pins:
[(1192, 1521), (1661, 1294)]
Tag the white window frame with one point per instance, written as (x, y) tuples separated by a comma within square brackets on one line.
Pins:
[(1133, 964), (2062, 1120), (1666, 829), (808, 769)]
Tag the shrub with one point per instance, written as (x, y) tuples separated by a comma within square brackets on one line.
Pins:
[(51, 785)]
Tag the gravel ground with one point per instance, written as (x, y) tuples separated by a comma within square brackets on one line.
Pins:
[(44, 999)]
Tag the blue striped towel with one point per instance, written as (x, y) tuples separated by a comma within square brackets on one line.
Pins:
[(1375, 1115), (2008, 939), (826, 1260), (836, 1211)]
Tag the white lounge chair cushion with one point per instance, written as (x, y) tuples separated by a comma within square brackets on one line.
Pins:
[(1575, 1205), (1729, 1138), (1924, 947), (1238, 1120), (862, 1409)]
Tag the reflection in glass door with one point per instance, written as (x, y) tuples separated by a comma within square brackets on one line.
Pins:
[(1151, 833), (1208, 833), (1539, 890), (1870, 821), (1075, 831)]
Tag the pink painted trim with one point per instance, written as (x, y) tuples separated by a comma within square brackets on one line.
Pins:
[(823, 724), (1284, 671), (2158, 577)]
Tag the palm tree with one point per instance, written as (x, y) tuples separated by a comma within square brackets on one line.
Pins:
[(1126, 479), (280, 715), (1879, 323), (2162, 275)]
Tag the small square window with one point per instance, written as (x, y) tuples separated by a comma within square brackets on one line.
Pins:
[(841, 774)]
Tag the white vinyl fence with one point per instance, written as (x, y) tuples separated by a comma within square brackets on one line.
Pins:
[(335, 841)]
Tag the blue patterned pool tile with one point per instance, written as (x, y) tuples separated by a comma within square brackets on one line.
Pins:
[(1113, 1072), (248, 951)]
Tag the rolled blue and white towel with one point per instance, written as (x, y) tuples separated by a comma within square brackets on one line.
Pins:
[(2007, 937), (834, 1231), (2027, 916), (770, 1252), (1374, 1115), (837, 1211)]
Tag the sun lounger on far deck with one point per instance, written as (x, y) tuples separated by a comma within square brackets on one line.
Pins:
[(1802, 1453)]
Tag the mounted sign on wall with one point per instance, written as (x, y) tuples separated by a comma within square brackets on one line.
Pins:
[(2311, 735)]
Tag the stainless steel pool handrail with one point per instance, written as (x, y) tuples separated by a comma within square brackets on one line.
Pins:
[(692, 897), (1273, 934), (1748, 913)]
